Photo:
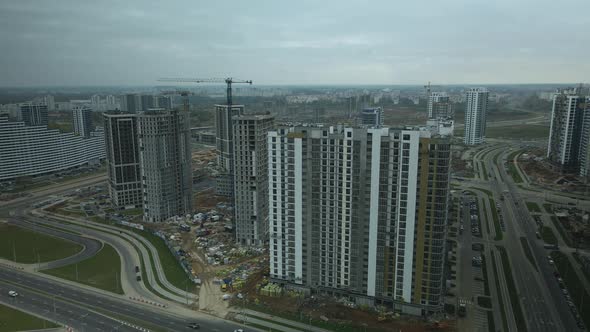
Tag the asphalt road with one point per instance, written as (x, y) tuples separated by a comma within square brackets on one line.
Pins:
[(90, 246), (44, 289), (543, 305), (67, 314)]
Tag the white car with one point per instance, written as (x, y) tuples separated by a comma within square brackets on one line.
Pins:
[(12, 293), (239, 330)]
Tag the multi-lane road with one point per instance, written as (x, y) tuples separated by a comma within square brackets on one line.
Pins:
[(82, 307), (542, 302)]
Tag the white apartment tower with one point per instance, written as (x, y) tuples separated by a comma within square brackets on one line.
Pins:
[(165, 159), (360, 212), (251, 177), (475, 116), (566, 131)]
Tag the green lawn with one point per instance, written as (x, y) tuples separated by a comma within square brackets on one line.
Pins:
[(514, 173), (548, 235), (512, 292), (31, 247), (528, 252), (131, 212), (101, 271), (573, 284), (15, 320), (533, 207)]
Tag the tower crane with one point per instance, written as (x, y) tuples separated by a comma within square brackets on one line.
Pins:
[(229, 81)]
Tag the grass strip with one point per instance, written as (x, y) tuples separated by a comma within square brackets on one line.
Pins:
[(528, 252), (499, 235), (512, 291), (548, 235), (499, 292)]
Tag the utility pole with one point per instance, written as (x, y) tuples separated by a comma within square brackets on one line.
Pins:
[(76, 271), (14, 252)]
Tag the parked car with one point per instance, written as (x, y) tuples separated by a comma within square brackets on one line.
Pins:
[(12, 293)]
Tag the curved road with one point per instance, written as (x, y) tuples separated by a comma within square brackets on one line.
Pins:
[(90, 247)]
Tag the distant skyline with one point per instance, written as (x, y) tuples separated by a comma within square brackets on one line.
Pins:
[(105, 43)]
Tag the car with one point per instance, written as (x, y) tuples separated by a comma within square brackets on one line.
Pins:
[(136, 269), (194, 326), (239, 330), (138, 278), (551, 262), (565, 292), (12, 293)]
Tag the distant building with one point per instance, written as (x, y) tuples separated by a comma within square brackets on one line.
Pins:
[(111, 101), (130, 103), (95, 100), (360, 213), (565, 135), (439, 106), (475, 116), (224, 144), (122, 152), (165, 158), (82, 120), (147, 102), (49, 100), (372, 117), (251, 177), (164, 102), (27, 150), (33, 114)]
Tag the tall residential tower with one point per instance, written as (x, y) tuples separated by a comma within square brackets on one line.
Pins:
[(224, 143), (565, 135), (165, 158), (475, 115), (361, 213), (251, 177), (82, 120), (122, 150)]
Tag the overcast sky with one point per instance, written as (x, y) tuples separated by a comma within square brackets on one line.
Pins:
[(127, 42)]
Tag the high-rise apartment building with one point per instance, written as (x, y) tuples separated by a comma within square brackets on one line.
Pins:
[(122, 151), (439, 106), (82, 120), (165, 158), (49, 100), (585, 144), (360, 212), (130, 103), (33, 114), (372, 117), (224, 144), (164, 102), (475, 115), (251, 177), (565, 135)]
